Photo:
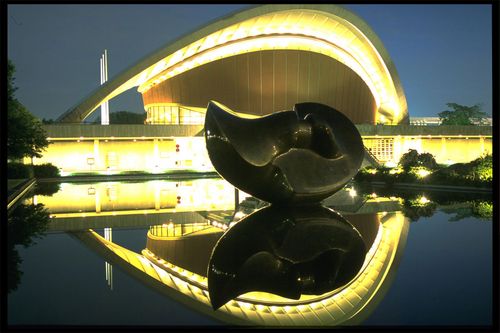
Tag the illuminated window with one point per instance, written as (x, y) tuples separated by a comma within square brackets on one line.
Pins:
[(172, 114), (381, 148), (191, 117), (176, 230)]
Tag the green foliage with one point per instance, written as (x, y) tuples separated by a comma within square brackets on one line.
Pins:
[(477, 172), (482, 209), (482, 168), (420, 172), (25, 135), (25, 223), (14, 274), (11, 88), (427, 160), (409, 159), (47, 188), (415, 205), (477, 208), (46, 171), (461, 114), (19, 171), (414, 210), (48, 121), (413, 159), (456, 170), (124, 117)]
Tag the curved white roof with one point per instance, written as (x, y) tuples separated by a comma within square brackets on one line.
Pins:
[(331, 30)]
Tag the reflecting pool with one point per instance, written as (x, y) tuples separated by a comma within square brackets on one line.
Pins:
[(137, 253)]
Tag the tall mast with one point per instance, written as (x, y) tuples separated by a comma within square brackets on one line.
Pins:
[(104, 78)]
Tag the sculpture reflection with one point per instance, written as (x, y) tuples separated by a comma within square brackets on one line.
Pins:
[(298, 156), (285, 251), (384, 235)]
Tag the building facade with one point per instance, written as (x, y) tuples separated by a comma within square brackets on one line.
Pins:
[(435, 121), (257, 61), (115, 149)]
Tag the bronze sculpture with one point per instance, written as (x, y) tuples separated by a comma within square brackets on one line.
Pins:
[(299, 156), (292, 159)]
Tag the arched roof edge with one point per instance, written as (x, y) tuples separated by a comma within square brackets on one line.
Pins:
[(118, 84)]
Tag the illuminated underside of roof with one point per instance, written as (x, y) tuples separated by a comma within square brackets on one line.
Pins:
[(330, 30), (346, 305)]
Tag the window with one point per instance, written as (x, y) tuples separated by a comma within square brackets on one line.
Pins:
[(166, 114), (381, 148)]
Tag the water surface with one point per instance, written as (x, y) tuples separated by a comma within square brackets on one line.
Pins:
[(442, 273)]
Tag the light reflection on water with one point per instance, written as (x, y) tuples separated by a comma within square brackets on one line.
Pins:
[(173, 227)]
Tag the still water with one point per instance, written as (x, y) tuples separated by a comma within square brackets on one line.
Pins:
[(136, 253)]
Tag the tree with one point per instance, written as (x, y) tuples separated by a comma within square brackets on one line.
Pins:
[(124, 117), (25, 224), (461, 114), (413, 159), (409, 159), (25, 134), (48, 121), (427, 160)]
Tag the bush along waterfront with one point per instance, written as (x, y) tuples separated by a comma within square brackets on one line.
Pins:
[(423, 203), (16, 170), (422, 169)]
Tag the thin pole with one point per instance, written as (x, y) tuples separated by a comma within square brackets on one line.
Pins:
[(104, 78)]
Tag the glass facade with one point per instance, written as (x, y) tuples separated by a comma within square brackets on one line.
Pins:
[(176, 229), (382, 149), (173, 115)]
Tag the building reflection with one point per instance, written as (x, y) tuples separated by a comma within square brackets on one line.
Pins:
[(184, 245), (108, 235), (79, 206), (180, 239), (108, 198), (175, 260)]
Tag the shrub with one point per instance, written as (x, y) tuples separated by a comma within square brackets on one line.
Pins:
[(482, 168), (477, 172), (17, 170), (413, 159), (420, 172), (409, 159), (417, 207), (46, 171), (47, 188), (427, 160), (482, 209)]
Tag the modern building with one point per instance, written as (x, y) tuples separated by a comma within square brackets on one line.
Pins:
[(262, 60), (113, 149), (448, 144), (256, 62), (435, 121)]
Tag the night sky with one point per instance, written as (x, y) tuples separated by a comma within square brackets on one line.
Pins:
[(443, 53)]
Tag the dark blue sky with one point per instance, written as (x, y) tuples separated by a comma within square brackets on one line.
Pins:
[(443, 53)]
